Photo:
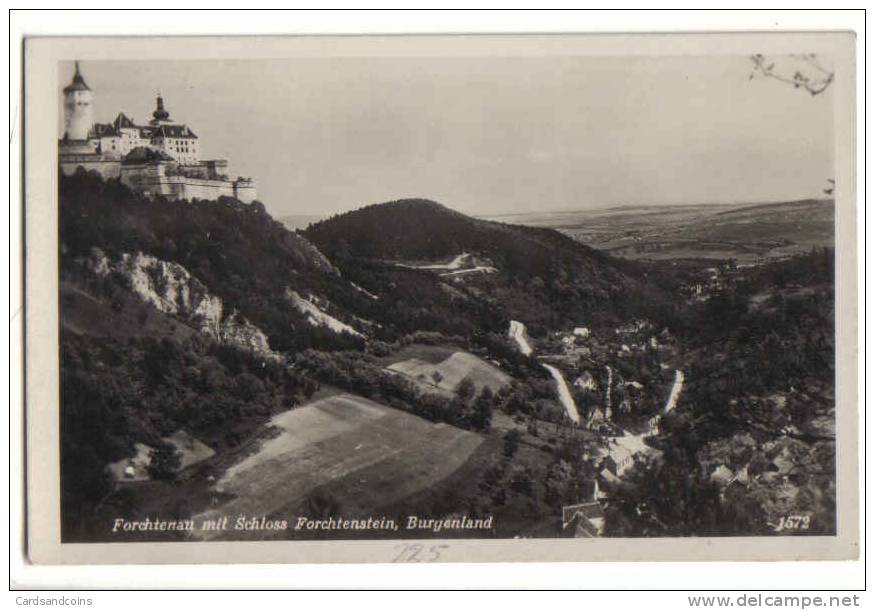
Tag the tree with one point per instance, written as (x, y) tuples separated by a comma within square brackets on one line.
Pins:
[(481, 418), (163, 462), (466, 389), (511, 442)]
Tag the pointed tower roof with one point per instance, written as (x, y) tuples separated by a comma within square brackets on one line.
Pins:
[(78, 83)]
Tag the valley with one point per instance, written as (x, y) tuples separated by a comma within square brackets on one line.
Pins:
[(405, 359)]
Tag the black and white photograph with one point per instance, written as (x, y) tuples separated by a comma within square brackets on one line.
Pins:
[(429, 297)]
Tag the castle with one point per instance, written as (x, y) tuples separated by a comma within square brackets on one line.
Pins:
[(161, 158)]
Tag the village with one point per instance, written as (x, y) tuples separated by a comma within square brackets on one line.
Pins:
[(622, 383)]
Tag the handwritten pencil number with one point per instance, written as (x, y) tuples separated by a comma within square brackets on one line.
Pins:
[(418, 553)]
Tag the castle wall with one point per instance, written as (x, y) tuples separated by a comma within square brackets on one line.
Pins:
[(146, 178), (152, 179), (108, 168), (181, 187), (244, 190)]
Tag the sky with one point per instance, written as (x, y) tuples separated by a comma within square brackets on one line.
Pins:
[(487, 135)]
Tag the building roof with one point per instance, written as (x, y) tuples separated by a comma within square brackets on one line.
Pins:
[(143, 154), (100, 130), (589, 510), (122, 121), (173, 131), (587, 519), (78, 83), (721, 475)]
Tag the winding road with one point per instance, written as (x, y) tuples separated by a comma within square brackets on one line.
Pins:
[(456, 263), (565, 396), (517, 332), (676, 388), (608, 392)]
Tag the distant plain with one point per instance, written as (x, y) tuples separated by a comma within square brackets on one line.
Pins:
[(746, 232)]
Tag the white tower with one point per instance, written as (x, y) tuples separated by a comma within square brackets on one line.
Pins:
[(78, 111)]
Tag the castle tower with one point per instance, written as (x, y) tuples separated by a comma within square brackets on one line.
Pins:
[(78, 110), (160, 116)]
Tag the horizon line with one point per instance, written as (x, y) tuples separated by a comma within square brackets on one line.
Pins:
[(569, 210)]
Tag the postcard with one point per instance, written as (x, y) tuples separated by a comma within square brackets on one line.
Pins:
[(441, 298)]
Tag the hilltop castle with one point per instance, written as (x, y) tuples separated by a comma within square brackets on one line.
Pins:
[(161, 158)]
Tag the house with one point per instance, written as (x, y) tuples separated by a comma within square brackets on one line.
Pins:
[(725, 478), (582, 351), (783, 463), (190, 450), (721, 475), (633, 327), (596, 416), (586, 381), (585, 520)]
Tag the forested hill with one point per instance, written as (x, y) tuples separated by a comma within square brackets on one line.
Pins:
[(420, 229), (348, 266), (542, 276), (237, 251)]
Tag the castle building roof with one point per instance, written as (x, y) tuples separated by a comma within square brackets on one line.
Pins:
[(100, 130), (78, 83), (107, 130), (173, 131), (122, 121)]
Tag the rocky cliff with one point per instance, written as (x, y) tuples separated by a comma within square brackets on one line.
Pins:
[(171, 289)]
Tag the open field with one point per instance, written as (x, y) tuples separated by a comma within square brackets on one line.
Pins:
[(462, 492), (746, 232), (450, 372), (360, 454), (430, 353)]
